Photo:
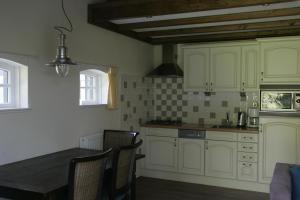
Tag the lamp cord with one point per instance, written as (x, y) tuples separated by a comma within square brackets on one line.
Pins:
[(61, 28)]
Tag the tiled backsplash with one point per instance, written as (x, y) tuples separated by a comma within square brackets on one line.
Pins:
[(144, 99), (137, 101)]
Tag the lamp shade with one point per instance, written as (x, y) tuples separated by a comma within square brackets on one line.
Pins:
[(62, 62)]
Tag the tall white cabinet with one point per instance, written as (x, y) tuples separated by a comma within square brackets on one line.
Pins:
[(279, 142)]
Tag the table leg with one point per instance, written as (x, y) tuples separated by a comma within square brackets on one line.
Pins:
[(133, 183)]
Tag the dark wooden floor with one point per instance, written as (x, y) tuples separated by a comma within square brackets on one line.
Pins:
[(156, 189)]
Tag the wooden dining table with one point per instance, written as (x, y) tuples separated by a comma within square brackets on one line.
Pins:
[(44, 177)]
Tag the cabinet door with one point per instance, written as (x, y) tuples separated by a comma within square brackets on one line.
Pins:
[(221, 159), (196, 69), (280, 62), (250, 62), (278, 143), (161, 153), (225, 68), (191, 156)]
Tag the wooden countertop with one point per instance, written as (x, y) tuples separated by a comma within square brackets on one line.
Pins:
[(205, 127)]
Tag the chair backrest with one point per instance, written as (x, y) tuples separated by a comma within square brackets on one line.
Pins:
[(122, 169), (117, 138), (86, 175)]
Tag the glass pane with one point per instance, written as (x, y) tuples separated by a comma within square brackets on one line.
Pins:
[(4, 95), (3, 76), (90, 81), (82, 80), (276, 101), (82, 94)]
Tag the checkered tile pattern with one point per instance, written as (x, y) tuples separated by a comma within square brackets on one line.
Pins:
[(168, 98), (144, 99)]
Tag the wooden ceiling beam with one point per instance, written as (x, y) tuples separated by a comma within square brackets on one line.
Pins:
[(215, 18), (144, 8), (283, 24), (227, 36), (113, 27)]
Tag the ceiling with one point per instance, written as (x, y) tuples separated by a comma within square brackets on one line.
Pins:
[(186, 21)]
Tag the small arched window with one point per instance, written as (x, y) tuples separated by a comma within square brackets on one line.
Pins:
[(93, 87), (13, 85)]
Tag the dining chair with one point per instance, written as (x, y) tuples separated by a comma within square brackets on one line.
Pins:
[(86, 176), (117, 138), (123, 171)]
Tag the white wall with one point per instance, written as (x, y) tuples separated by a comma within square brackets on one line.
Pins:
[(55, 121)]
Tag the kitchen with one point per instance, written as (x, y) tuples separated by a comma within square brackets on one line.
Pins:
[(192, 124), (217, 121)]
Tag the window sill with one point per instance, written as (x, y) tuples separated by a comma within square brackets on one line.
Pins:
[(14, 110)]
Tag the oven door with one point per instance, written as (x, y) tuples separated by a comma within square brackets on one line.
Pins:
[(277, 101)]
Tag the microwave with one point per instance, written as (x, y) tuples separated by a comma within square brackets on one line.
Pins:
[(281, 101)]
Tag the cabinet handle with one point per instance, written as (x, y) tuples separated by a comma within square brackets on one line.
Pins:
[(244, 164), (260, 128), (244, 156), (174, 142), (250, 164), (206, 145), (262, 76), (211, 86), (250, 157)]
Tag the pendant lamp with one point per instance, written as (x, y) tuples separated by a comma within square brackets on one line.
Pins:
[(62, 62)]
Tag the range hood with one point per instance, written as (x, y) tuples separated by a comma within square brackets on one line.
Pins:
[(169, 67)]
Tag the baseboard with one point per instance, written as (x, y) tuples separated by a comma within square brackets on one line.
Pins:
[(220, 182)]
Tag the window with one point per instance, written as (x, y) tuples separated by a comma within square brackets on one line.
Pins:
[(13, 85), (93, 87)]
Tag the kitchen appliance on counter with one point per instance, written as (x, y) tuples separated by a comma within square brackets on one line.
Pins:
[(241, 122), (253, 118)]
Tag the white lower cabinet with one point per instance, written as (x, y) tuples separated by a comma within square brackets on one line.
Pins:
[(161, 153), (221, 159), (247, 171), (191, 156)]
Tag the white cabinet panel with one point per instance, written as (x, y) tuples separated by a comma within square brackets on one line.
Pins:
[(247, 171), (196, 68), (221, 159), (191, 156), (280, 61), (225, 68), (250, 66), (161, 153), (279, 142)]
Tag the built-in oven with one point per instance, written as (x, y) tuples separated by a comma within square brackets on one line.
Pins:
[(280, 100)]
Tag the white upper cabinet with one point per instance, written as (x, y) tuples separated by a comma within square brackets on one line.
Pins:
[(196, 71), (220, 67), (225, 68), (280, 62), (250, 68)]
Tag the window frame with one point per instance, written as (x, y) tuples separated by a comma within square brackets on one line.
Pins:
[(18, 81), (99, 84), (12, 84)]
